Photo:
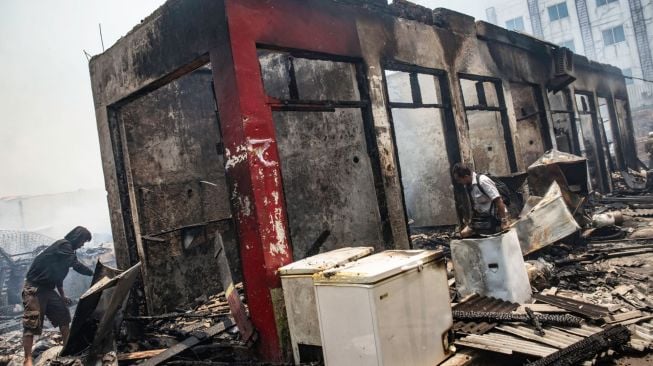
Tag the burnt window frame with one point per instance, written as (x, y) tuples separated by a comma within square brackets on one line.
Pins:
[(571, 112), (606, 180), (452, 143), (544, 125), (365, 106), (505, 120), (614, 129)]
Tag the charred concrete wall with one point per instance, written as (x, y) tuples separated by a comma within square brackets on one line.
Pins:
[(173, 145), (323, 147)]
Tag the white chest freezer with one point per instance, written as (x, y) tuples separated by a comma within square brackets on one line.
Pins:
[(299, 297), (390, 308)]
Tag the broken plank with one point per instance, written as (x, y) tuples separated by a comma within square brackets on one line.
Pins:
[(188, 343), (512, 343), (637, 320), (618, 318), (461, 358), (622, 289), (484, 347), (540, 308), (133, 356)]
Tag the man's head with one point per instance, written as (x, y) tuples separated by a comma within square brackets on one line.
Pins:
[(78, 236), (462, 174)]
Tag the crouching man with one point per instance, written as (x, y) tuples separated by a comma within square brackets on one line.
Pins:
[(489, 212), (47, 272)]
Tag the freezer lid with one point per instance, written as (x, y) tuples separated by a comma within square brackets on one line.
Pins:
[(377, 267), (323, 261)]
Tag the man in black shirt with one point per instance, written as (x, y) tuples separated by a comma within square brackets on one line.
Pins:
[(47, 272)]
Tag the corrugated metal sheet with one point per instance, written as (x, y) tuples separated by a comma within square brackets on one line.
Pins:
[(481, 303), (506, 344), (552, 337)]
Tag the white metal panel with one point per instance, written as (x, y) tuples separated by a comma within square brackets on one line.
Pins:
[(326, 260), (346, 326), (377, 267), (399, 321), (413, 316), (299, 295)]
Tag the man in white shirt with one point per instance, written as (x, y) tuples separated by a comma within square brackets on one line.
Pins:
[(489, 213)]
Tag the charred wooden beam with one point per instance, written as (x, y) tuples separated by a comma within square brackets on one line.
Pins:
[(579, 307), (495, 317)]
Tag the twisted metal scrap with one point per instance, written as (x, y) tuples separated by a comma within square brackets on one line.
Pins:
[(494, 317)]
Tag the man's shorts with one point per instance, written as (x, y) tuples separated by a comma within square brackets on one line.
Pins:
[(40, 302)]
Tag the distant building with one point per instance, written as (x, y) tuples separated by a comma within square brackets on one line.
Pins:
[(617, 32), (54, 215)]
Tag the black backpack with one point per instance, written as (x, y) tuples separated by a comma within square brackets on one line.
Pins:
[(503, 189)]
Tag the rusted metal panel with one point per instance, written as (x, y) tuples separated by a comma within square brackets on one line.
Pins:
[(98, 311), (547, 222), (568, 170)]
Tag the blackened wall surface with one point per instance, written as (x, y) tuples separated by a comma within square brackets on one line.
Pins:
[(173, 145)]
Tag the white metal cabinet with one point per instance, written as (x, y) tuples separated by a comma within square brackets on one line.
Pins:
[(390, 308), (299, 295)]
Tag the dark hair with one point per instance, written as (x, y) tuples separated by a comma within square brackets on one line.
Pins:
[(78, 236), (461, 170)]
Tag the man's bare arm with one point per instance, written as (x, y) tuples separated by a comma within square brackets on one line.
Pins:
[(502, 212)]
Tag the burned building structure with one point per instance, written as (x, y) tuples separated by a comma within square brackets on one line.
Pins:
[(294, 126)]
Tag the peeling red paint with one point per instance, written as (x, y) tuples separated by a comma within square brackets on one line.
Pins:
[(246, 120)]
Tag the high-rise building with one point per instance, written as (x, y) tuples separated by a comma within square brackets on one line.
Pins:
[(617, 32)]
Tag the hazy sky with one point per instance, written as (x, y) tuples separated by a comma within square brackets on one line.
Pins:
[(48, 139)]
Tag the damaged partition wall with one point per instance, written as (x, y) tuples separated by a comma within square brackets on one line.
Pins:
[(293, 137)]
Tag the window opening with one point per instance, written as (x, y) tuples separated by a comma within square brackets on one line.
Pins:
[(614, 35), (327, 151), (558, 11), (420, 109), (487, 123)]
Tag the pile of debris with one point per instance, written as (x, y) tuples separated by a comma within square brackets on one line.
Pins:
[(206, 333)]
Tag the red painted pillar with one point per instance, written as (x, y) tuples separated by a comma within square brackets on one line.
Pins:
[(252, 167)]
